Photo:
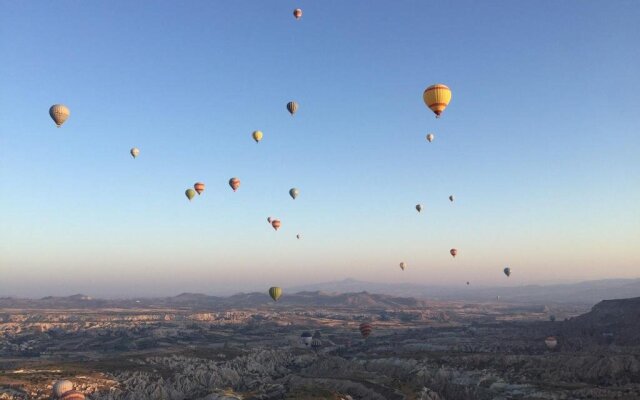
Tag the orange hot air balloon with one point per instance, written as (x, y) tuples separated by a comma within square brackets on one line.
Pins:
[(199, 187), (437, 98), (234, 183), (365, 329), (275, 223), (297, 13), (453, 252)]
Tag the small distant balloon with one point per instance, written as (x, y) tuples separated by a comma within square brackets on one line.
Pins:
[(454, 252), (257, 136), (234, 183), (190, 193), (292, 107), (403, 265), (269, 220), (135, 152), (298, 236), (419, 207), (61, 387), (507, 271), (72, 395), (467, 283), (365, 329), (199, 187), (297, 13), (59, 113), (430, 137), (275, 293), (437, 98), (551, 342), (275, 223), (293, 192), (451, 198)]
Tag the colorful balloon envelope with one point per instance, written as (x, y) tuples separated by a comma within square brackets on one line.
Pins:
[(437, 98), (297, 13), (59, 114), (275, 223), (234, 183), (199, 187), (292, 107), (135, 152), (365, 329), (430, 137), (454, 252), (551, 342), (61, 387), (275, 293), (257, 136), (190, 193), (72, 395)]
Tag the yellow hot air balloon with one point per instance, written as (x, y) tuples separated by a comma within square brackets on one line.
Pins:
[(275, 293), (437, 98), (257, 136), (59, 113)]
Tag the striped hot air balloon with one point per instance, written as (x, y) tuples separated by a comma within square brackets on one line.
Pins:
[(59, 113), (234, 183), (292, 107), (199, 187), (60, 387), (437, 98), (365, 329), (275, 293)]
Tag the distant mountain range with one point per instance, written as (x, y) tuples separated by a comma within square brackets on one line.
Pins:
[(588, 292), (357, 294)]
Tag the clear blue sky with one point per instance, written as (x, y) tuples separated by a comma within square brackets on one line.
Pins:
[(540, 144)]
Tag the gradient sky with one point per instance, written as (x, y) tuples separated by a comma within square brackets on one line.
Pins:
[(540, 144)]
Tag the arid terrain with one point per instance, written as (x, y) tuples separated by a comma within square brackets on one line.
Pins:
[(200, 347)]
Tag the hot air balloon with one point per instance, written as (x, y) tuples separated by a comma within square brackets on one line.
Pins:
[(59, 113), (305, 339), (292, 107), (551, 342), (419, 207), (467, 283), (507, 271), (402, 265), (257, 136), (72, 395), (134, 152), (199, 187), (61, 387), (437, 97), (269, 220), (297, 13), (275, 293), (365, 329), (190, 193), (275, 223), (298, 236), (316, 344), (430, 137), (234, 183), (293, 192), (453, 252), (451, 198)]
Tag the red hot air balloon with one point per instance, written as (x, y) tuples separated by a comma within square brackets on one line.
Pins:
[(199, 187), (453, 252), (234, 183), (365, 329), (275, 223)]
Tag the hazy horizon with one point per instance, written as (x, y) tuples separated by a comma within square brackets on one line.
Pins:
[(539, 144)]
